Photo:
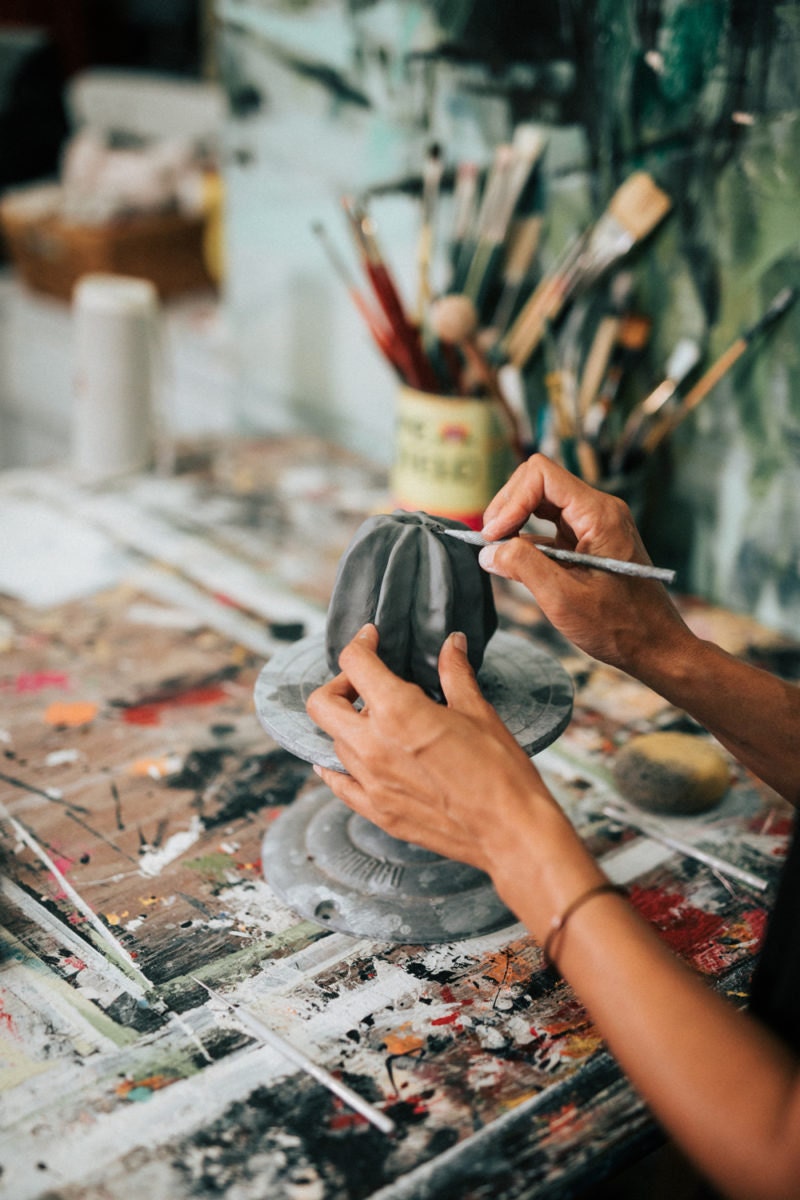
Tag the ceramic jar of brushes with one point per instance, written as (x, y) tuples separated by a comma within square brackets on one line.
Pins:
[(451, 454)]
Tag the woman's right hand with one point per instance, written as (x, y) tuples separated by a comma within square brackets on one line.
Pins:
[(619, 619)]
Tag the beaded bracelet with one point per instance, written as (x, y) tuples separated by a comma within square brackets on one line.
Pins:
[(558, 923)]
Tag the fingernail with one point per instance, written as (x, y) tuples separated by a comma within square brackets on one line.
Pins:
[(317, 769), (486, 557), (364, 632), (489, 529), (459, 640)]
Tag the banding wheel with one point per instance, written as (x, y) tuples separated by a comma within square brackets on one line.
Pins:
[(338, 869)]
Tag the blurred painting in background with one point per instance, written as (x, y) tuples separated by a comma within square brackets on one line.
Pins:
[(330, 98)]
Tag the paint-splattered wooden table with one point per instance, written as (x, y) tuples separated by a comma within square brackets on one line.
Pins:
[(136, 785)]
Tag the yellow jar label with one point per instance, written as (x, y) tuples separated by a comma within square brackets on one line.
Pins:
[(451, 455)]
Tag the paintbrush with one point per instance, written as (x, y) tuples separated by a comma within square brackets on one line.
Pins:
[(612, 566), (511, 181), (715, 372), (493, 216), (381, 334), (465, 203), (650, 830), (632, 336), (603, 343), (420, 372), (680, 364), (632, 213), (432, 172), (257, 1029), (521, 247)]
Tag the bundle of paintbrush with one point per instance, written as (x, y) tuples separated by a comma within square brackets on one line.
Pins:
[(490, 312), (485, 263), (662, 411), (634, 210)]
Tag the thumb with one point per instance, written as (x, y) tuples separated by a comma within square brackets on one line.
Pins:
[(457, 677), (513, 559)]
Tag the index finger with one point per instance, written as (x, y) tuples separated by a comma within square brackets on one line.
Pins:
[(541, 488)]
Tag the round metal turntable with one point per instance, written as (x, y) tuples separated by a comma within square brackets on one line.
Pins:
[(338, 869)]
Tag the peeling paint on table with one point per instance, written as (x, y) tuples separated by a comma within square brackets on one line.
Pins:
[(117, 1075)]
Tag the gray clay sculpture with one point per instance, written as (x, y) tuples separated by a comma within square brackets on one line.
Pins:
[(417, 587)]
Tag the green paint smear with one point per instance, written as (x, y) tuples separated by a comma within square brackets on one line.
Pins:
[(119, 1035), (216, 867), (242, 963)]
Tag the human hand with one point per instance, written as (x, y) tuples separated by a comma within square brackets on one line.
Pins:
[(618, 619), (452, 778)]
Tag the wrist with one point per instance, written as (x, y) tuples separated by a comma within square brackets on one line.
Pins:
[(542, 867), (661, 652)]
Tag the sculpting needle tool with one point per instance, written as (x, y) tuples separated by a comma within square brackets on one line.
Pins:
[(648, 829), (614, 566), (257, 1029)]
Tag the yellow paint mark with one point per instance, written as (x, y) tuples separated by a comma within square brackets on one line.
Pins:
[(403, 1043), (517, 1100), (581, 1045), (71, 713), (115, 918)]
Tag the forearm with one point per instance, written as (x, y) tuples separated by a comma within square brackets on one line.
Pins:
[(751, 712), (719, 1083)]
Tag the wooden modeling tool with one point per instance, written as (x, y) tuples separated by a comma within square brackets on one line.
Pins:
[(651, 830), (715, 372), (257, 1029), (633, 212), (612, 566), (454, 321)]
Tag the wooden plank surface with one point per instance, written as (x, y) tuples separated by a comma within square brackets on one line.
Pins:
[(134, 766)]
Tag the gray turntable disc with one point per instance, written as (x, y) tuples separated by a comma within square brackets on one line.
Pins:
[(338, 869), (530, 690)]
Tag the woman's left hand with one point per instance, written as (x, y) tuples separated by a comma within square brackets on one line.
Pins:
[(450, 778)]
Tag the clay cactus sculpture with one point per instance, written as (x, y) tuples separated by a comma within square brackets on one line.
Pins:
[(417, 586)]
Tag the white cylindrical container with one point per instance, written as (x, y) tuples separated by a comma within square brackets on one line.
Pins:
[(116, 349)]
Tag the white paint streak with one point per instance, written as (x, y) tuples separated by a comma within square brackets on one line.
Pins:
[(60, 758), (152, 862)]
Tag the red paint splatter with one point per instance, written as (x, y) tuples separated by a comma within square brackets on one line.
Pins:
[(228, 601), (73, 961), (150, 714), (31, 682), (689, 931), (771, 825), (450, 1019), (450, 998), (346, 1120), (6, 1019)]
